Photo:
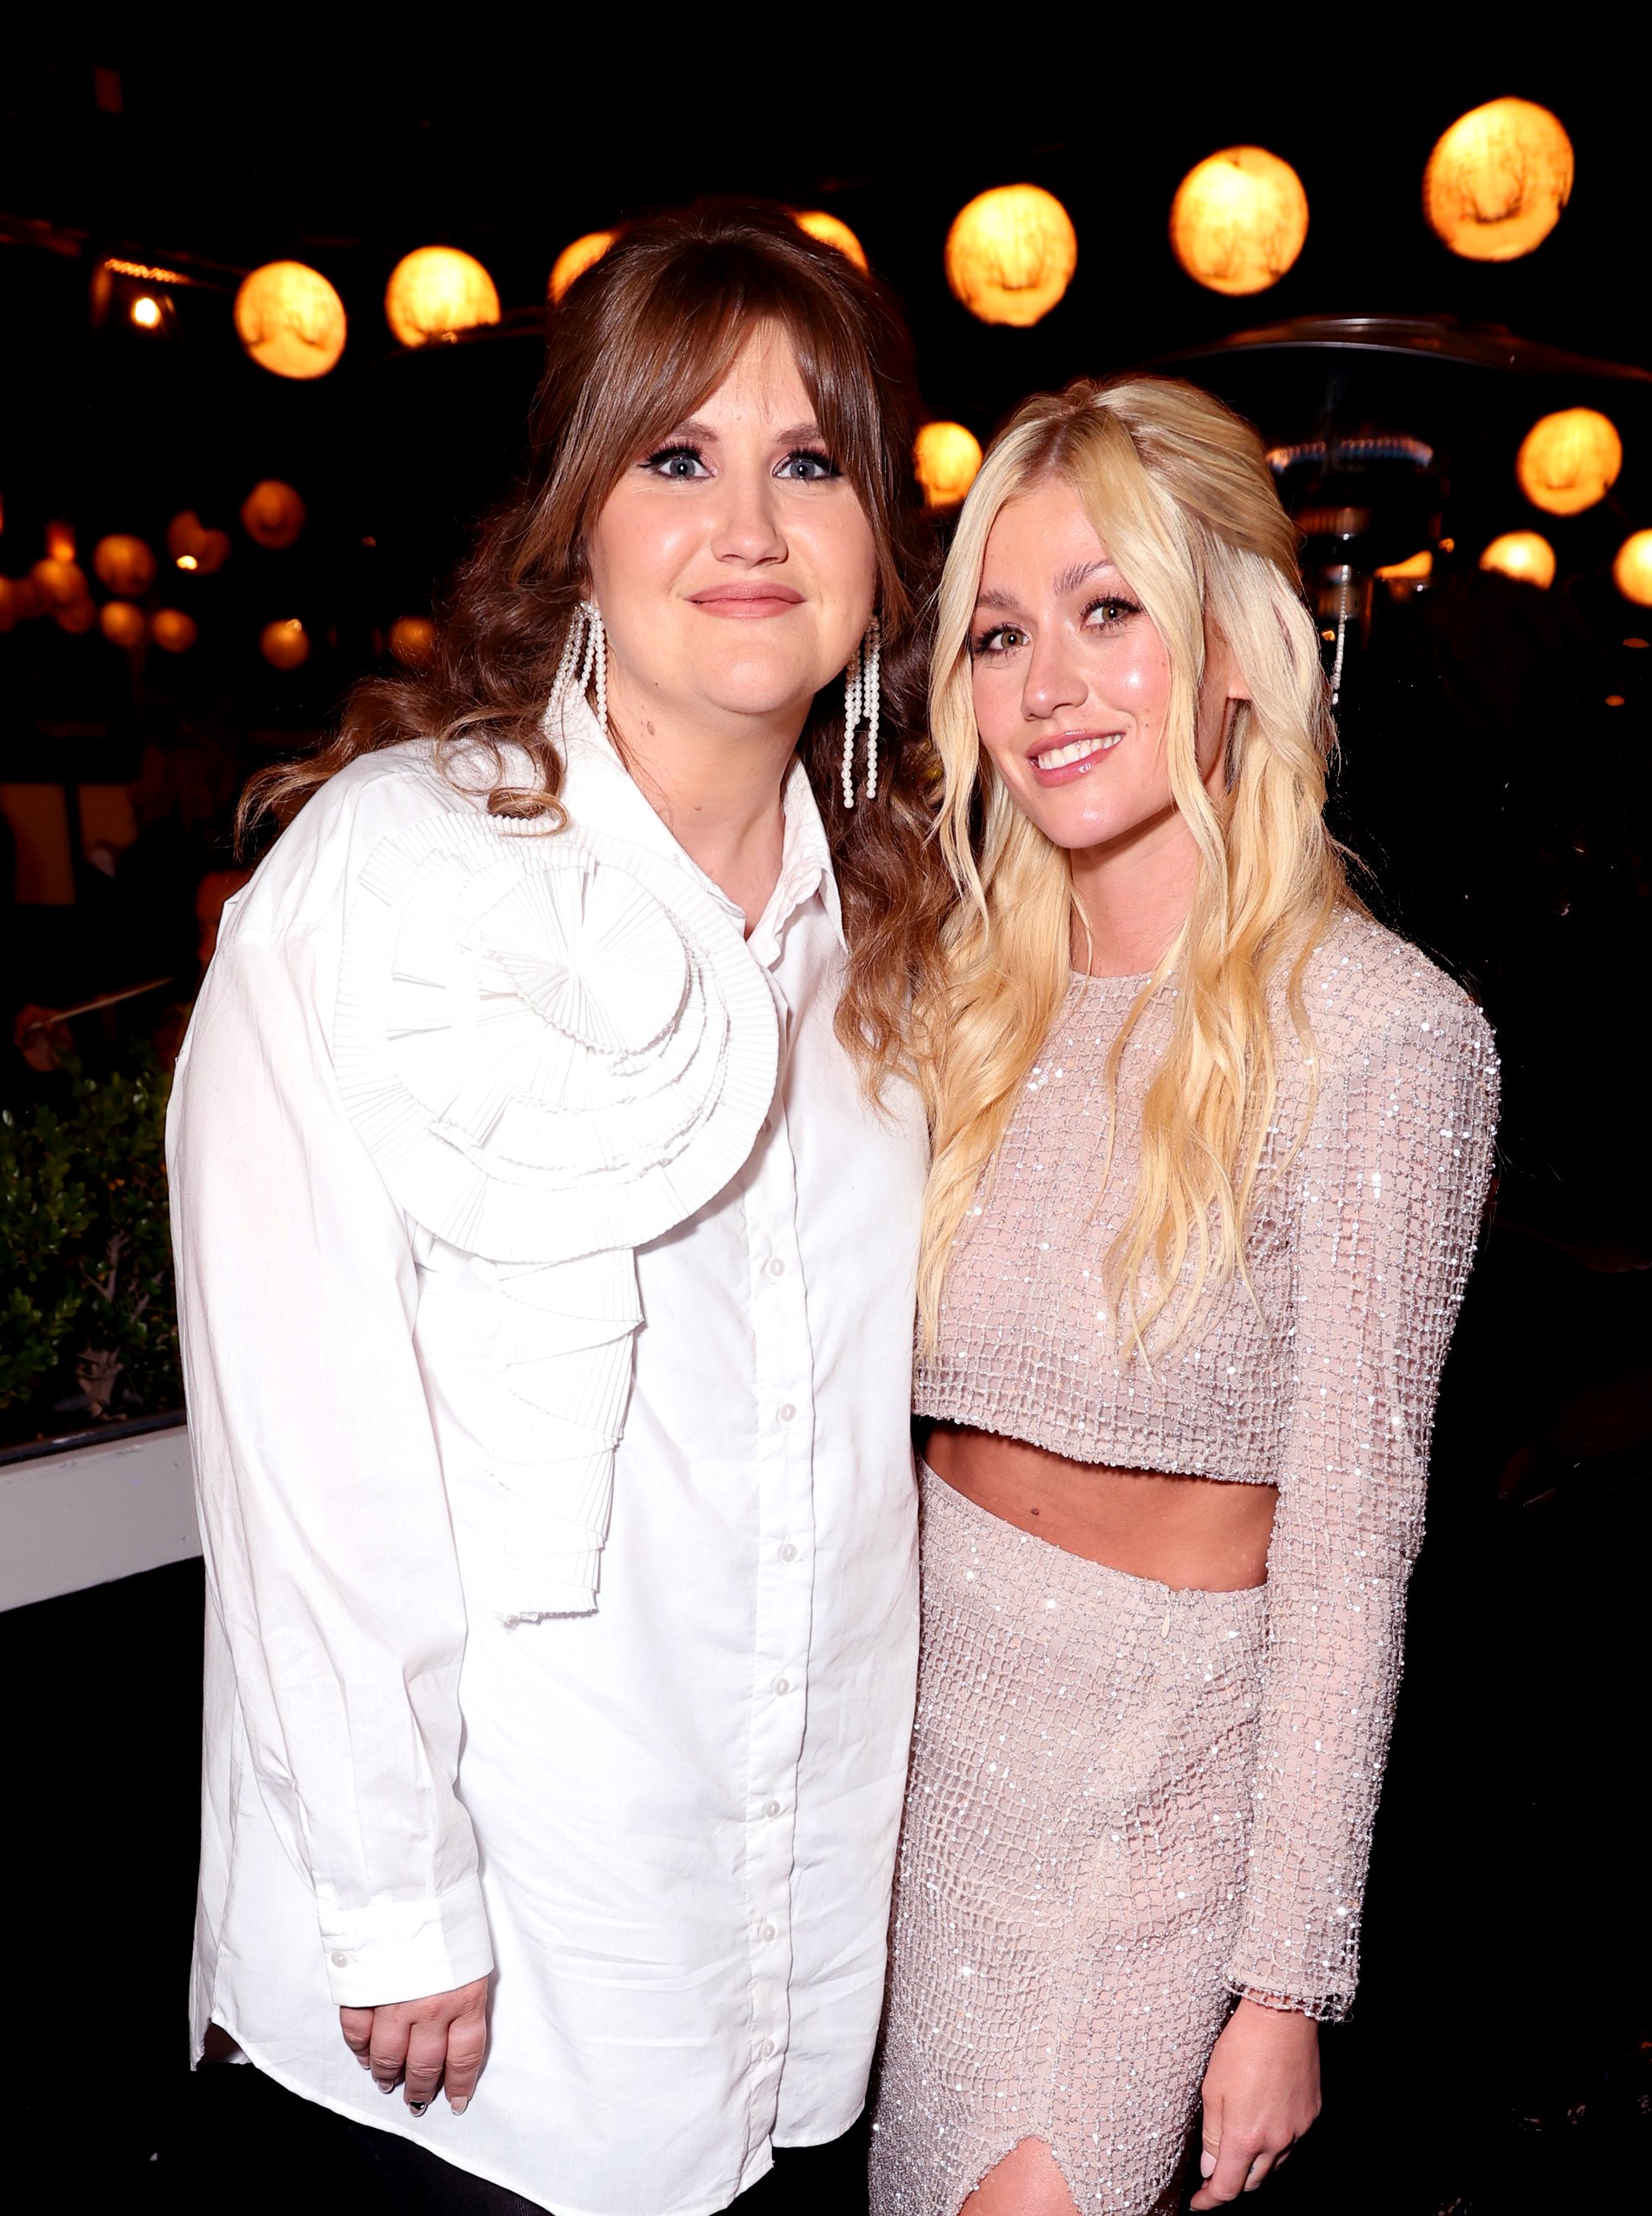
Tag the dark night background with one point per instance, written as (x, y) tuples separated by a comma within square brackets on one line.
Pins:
[(1495, 748)]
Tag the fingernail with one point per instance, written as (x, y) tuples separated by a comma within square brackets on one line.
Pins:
[(365, 2064), (418, 2107), (459, 2106), (385, 2088), (1207, 2164)]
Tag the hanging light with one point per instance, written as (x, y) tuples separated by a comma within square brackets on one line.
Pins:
[(60, 542), (171, 629), (61, 583), (574, 260), (286, 645), (291, 320), (273, 514), (945, 457), (1239, 220), (1569, 461), (193, 548), (124, 564), (1497, 180), (145, 312), (1011, 253), (831, 230), (123, 624), (1524, 556), (413, 640), (436, 292), (1632, 570), (1415, 569)]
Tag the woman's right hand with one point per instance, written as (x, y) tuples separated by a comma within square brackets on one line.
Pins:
[(426, 2045)]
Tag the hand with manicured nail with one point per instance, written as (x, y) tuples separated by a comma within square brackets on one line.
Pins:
[(1260, 2094), (430, 2045)]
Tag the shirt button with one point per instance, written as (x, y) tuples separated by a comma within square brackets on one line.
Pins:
[(783, 1685), (767, 2049), (787, 1411), (773, 1809), (341, 1961), (776, 1268), (767, 1932), (789, 1553)]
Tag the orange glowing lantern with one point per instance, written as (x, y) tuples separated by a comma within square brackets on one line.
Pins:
[(573, 262), (832, 230), (78, 616), (192, 547), (945, 457), (1011, 253), (123, 624), (272, 514), (1239, 220), (124, 564), (436, 292), (1632, 570), (413, 640), (285, 645), (291, 320), (1569, 461), (1525, 555), (1497, 180), (171, 629), (62, 583), (60, 542)]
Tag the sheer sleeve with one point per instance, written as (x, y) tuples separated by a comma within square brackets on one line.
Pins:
[(1393, 1179)]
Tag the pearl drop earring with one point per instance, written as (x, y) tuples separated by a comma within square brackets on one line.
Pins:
[(862, 701)]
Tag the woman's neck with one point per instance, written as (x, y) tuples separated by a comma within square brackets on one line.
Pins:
[(717, 792), (1135, 894)]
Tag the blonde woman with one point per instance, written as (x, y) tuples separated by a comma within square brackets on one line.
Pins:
[(1210, 1148)]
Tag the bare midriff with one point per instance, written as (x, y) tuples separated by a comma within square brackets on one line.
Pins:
[(1197, 1534)]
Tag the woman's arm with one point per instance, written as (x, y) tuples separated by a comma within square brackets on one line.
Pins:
[(324, 1521)]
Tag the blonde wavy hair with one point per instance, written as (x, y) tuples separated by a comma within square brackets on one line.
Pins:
[(1182, 497)]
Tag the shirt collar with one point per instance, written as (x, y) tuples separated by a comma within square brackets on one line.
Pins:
[(600, 795)]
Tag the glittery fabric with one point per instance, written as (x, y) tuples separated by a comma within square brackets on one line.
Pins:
[(1072, 1866), (1323, 1385)]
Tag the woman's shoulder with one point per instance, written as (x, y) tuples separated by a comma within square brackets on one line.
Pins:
[(1362, 983)]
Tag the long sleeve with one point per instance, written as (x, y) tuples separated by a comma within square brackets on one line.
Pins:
[(1393, 1177), (326, 1525)]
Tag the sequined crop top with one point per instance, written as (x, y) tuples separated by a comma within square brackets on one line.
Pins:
[(1323, 1385)]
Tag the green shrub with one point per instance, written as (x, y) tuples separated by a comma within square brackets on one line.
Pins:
[(86, 1298)]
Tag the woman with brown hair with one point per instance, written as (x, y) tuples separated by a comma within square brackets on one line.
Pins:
[(547, 1183)]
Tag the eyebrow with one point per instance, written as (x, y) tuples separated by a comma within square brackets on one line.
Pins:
[(794, 433)]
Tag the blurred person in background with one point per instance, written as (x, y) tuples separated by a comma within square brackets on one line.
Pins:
[(546, 1179)]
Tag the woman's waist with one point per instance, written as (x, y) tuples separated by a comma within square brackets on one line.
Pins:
[(1188, 1531)]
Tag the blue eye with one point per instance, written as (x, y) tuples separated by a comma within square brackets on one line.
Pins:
[(682, 463), (807, 465)]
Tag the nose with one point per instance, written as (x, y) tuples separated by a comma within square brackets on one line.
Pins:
[(1054, 679), (746, 524)]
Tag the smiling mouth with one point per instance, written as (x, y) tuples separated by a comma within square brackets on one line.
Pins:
[(747, 600), (1063, 757)]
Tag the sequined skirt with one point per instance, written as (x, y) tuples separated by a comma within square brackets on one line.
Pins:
[(1072, 1863)]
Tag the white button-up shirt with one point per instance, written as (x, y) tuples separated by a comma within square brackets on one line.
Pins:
[(664, 1820)]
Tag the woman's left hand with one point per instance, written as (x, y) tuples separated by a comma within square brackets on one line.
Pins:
[(1260, 2094)]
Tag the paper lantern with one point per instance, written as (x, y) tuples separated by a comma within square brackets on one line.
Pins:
[(124, 564), (1525, 555), (1239, 220), (832, 230), (1011, 253), (123, 624), (76, 616), (436, 291), (945, 457), (171, 629), (60, 542), (272, 514), (1632, 570), (286, 645), (146, 313), (62, 583), (192, 547), (1415, 569), (575, 260), (20, 598), (1569, 461), (1497, 180), (413, 640), (291, 320)]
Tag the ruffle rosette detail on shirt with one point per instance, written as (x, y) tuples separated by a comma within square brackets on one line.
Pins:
[(555, 1048)]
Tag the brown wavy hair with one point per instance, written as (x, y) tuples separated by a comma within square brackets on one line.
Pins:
[(641, 340)]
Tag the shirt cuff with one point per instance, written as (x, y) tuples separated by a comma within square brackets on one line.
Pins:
[(402, 1950)]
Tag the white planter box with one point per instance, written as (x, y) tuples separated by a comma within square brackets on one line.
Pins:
[(94, 1512)]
